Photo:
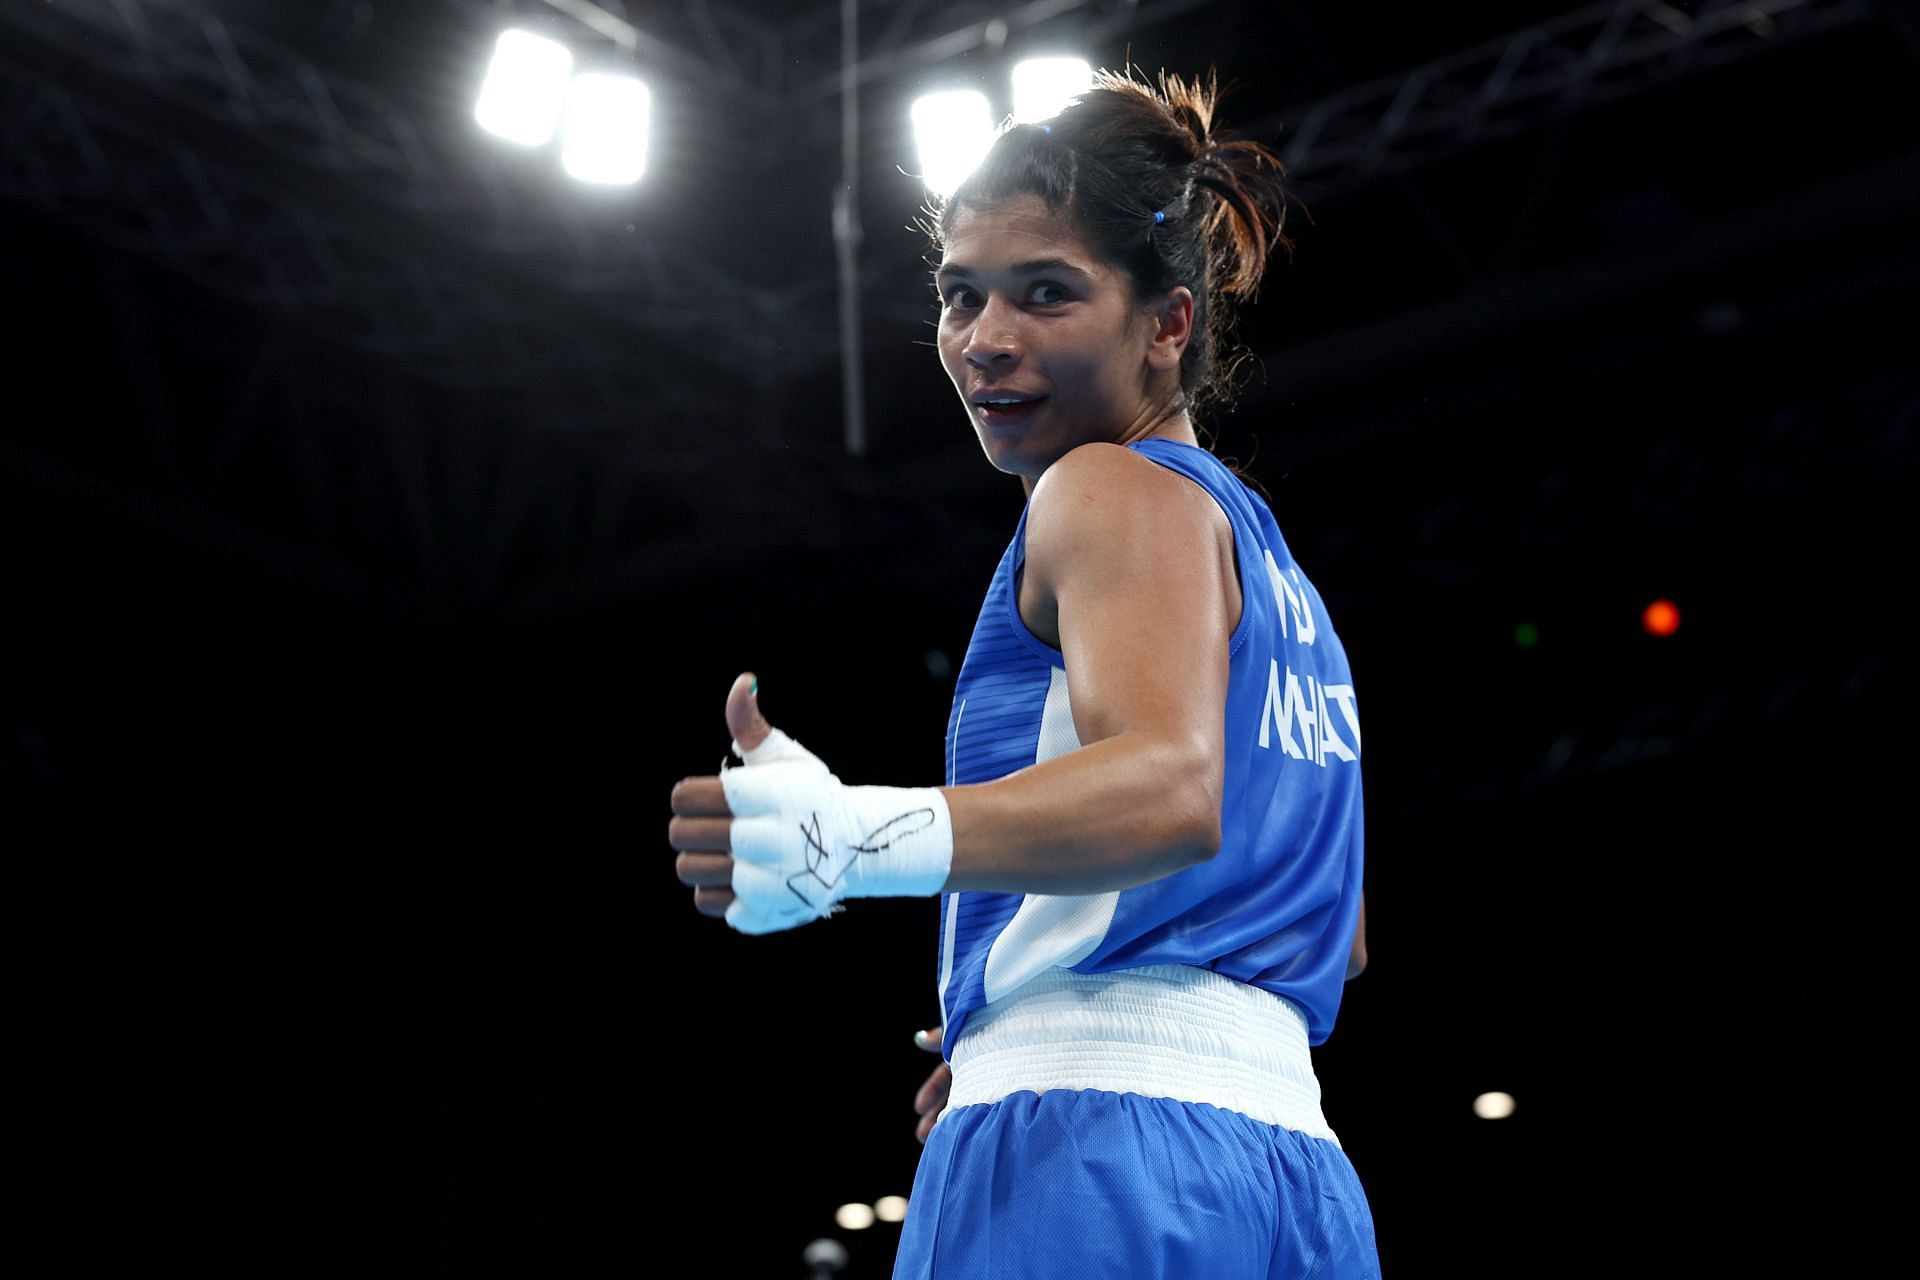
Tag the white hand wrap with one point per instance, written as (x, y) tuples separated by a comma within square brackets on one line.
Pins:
[(802, 840)]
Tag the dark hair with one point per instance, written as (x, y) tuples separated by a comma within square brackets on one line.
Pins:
[(1122, 152)]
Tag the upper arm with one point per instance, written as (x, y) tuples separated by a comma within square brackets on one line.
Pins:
[(1129, 552)]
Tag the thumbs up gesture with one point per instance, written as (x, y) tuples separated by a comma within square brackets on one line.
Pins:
[(702, 828), (780, 840)]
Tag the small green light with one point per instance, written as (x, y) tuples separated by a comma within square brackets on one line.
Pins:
[(1526, 635)]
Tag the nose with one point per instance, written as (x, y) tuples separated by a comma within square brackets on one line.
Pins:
[(995, 335)]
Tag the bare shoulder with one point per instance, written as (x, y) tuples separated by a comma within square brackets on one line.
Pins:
[(1097, 467), (1102, 498), (1100, 480)]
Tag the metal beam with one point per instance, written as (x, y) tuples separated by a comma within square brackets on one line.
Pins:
[(192, 143), (1513, 83), (989, 32), (708, 58), (1883, 200)]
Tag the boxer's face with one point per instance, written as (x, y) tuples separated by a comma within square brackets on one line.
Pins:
[(1030, 313)]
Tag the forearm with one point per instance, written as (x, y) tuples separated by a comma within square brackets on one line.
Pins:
[(1124, 811), (1357, 959)]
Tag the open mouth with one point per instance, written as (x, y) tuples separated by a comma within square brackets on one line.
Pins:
[(999, 415)]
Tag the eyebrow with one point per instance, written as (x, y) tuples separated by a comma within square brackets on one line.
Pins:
[(1034, 267)]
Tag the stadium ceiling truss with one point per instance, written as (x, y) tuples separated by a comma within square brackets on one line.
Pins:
[(173, 134), (192, 143)]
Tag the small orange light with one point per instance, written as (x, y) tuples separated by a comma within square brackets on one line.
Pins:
[(1661, 618)]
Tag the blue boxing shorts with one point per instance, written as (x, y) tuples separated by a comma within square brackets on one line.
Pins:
[(1153, 1122)]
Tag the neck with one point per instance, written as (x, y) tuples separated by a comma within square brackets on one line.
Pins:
[(1167, 422), (1172, 425)]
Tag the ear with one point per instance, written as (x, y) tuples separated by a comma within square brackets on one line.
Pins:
[(1173, 318)]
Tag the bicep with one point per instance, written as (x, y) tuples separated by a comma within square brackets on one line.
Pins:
[(1129, 552)]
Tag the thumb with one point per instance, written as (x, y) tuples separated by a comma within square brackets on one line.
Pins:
[(744, 722), (930, 1040)]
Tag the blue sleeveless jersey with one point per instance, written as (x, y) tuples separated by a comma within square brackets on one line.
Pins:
[(1277, 906)]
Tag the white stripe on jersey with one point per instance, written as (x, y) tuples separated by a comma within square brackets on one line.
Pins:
[(1048, 929), (953, 899)]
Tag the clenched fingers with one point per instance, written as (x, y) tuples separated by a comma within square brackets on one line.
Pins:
[(933, 1094), (704, 870), (701, 797), (700, 832), (701, 822), (712, 902), (932, 1099)]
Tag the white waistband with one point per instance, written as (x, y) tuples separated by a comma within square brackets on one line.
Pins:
[(1163, 1031)]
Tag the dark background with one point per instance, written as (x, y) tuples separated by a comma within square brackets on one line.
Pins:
[(386, 516)]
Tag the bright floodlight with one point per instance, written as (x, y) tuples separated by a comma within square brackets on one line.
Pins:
[(854, 1217), (891, 1208), (1493, 1106), (526, 86), (954, 132), (605, 138), (1042, 87)]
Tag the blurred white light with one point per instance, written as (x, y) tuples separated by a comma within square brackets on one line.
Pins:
[(605, 134), (1493, 1106), (854, 1217), (525, 89), (1042, 87), (954, 132), (891, 1208)]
